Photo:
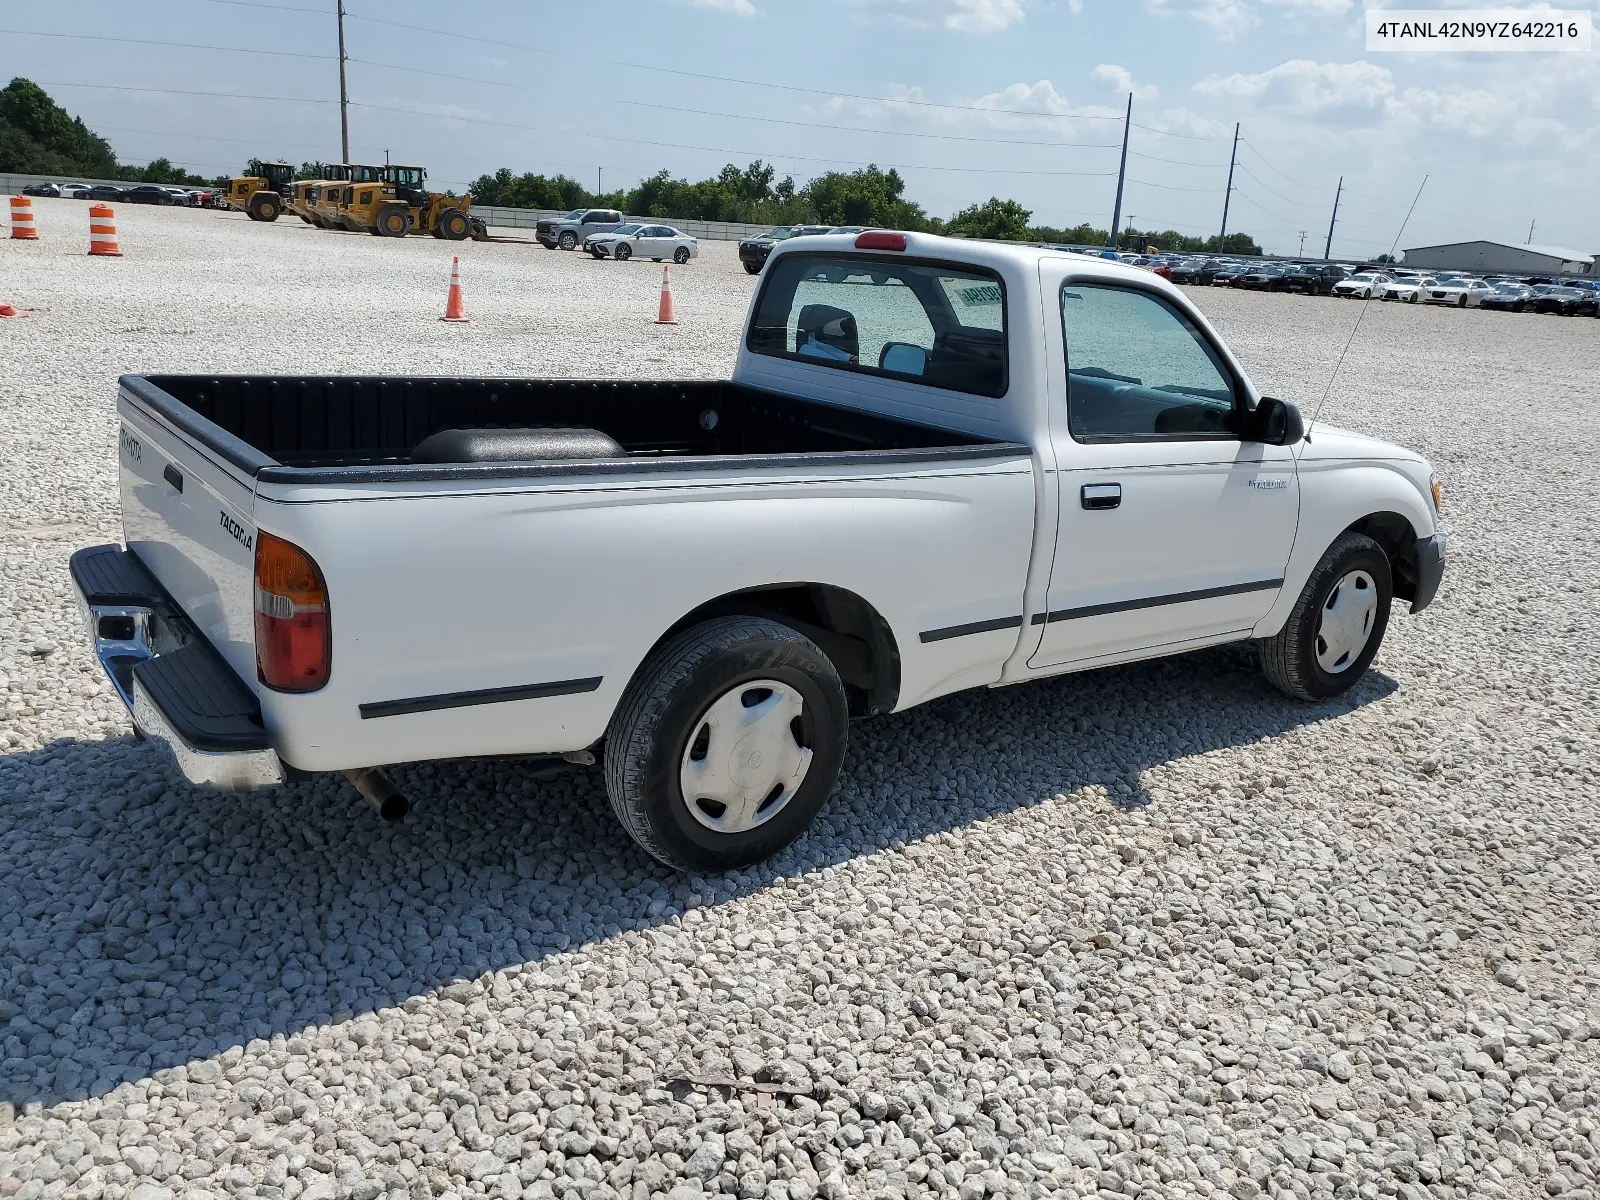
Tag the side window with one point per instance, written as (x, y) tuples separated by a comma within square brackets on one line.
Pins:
[(1137, 369)]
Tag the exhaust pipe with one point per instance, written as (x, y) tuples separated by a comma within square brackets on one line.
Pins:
[(375, 786)]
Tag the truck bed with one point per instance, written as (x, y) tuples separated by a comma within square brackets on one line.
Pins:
[(349, 427)]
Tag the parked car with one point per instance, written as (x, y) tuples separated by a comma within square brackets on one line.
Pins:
[(1462, 293), (106, 191), (655, 242), (864, 561), (1198, 272), (1229, 274), (1362, 284), (75, 191), (149, 193), (1264, 279), (544, 230), (42, 189), (1508, 297), (1566, 302), (569, 232), (1407, 290), (1314, 279), (753, 251)]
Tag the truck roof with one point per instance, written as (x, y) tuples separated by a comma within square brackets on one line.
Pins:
[(1008, 258)]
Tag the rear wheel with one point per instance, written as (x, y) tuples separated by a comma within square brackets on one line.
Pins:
[(453, 225), (622, 252), (394, 220), (1337, 624), (680, 255), (726, 744)]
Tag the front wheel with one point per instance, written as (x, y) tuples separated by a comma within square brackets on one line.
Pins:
[(393, 220), (568, 241), (680, 255), (726, 744), (453, 225), (622, 252), (1337, 624), (752, 268)]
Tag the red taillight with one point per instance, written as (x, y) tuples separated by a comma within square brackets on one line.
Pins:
[(875, 239), (293, 639)]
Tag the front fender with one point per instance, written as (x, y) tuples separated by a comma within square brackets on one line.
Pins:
[(1334, 496)]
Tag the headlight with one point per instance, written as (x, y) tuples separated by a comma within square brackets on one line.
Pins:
[(1438, 494)]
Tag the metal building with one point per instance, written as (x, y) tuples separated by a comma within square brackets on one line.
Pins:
[(1500, 258)]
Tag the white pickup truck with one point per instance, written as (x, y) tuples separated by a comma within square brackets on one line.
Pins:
[(938, 465)]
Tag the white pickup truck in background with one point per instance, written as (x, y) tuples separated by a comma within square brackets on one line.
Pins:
[(939, 465)]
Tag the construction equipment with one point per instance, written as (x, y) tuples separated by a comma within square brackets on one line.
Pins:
[(301, 202), (329, 199), (262, 197), (400, 205)]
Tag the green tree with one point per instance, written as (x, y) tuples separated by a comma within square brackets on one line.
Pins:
[(995, 219), (1078, 235), (1234, 243), (39, 137), (867, 196)]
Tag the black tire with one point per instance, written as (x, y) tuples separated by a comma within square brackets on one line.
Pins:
[(1289, 659), (393, 220), (265, 206), (622, 252), (568, 240), (680, 255), (752, 268), (661, 720), (453, 225)]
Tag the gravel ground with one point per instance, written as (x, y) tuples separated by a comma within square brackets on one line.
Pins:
[(1147, 932)]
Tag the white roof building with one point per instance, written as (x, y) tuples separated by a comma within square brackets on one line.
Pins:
[(1500, 258)]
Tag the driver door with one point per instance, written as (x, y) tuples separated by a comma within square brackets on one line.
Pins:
[(1173, 530)]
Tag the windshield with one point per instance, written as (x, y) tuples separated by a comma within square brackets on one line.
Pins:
[(1511, 289), (780, 233), (628, 230)]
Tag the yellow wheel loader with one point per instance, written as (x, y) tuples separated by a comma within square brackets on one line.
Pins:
[(262, 197), (328, 207), (400, 205), (301, 202)]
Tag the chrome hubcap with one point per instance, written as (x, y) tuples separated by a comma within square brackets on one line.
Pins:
[(1347, 618), (744, 761)]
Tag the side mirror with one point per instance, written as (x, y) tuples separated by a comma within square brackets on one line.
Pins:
[(1276, 423)]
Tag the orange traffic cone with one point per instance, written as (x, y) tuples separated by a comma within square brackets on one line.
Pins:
[(103, 231), (455, 308), (665, 316), (22, 229)]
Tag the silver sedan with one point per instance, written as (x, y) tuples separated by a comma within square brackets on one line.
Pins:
[(655, 242)]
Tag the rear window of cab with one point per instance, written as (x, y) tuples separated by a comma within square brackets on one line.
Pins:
[(925, 322)]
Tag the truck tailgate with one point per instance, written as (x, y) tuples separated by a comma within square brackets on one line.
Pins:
[(187, 515)]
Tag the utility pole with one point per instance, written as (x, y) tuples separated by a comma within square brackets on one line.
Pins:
[(1228, 195), (1302, 253), (1122, 171), (1328, 249), (344, 94), (599, 188), (1531, 224)]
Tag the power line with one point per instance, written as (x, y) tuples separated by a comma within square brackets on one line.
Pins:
[(127, 41), (320, 12), (1266, 163), (702, 112), (128, 87), (1192, 137), (1279, 195)]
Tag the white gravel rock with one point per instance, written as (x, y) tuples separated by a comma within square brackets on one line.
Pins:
[(1153, 931)]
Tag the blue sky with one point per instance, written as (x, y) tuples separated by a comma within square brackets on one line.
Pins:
[(969, 98)]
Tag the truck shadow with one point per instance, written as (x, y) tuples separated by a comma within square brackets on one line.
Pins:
[(145, 923)]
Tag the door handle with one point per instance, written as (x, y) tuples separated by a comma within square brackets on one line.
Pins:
[(173, 476), (1096, 496)]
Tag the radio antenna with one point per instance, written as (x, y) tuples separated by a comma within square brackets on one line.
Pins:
[(1327, 391)]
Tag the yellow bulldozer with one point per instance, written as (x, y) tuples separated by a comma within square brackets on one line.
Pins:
[(301, 200), (398, 205), (262, 197)]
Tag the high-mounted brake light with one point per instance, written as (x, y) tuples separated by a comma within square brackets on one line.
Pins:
[(294, 643), (875, 239)]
